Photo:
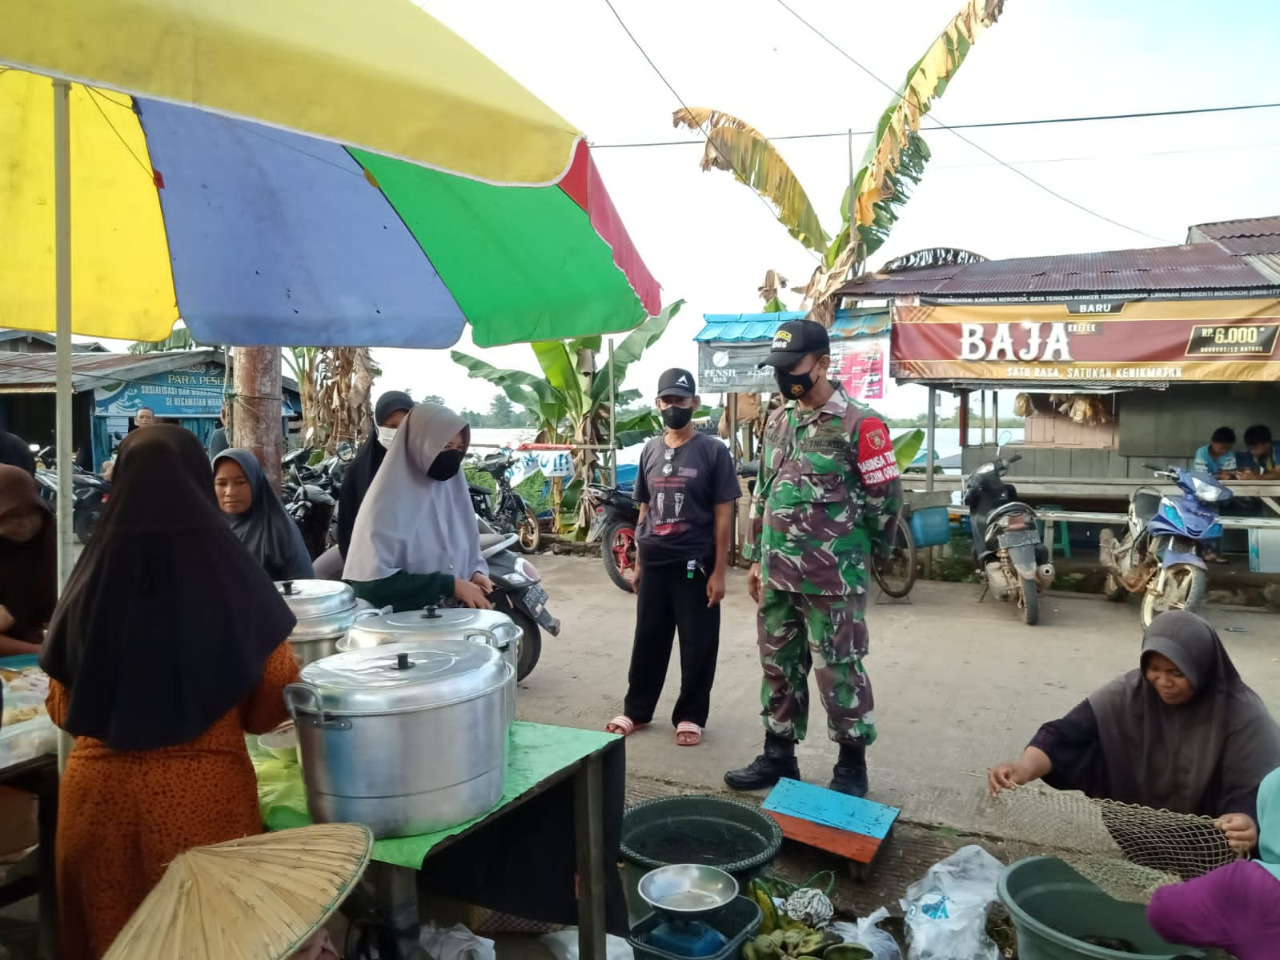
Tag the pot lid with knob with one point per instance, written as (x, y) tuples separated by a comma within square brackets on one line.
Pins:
[(401, 677), (324, 608), (432, 622)]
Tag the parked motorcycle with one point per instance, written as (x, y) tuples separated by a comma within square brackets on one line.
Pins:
[(1006, 540), (504, 509), (310, 494), (614, 525), (89, 492), (1161, 553), (517, 592)]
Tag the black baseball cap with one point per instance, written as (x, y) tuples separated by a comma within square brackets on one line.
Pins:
[(794, 341), (389, 403), (677, 383)]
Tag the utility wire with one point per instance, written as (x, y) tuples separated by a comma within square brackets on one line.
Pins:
[(679, 99), (940, 125), (992, 124)]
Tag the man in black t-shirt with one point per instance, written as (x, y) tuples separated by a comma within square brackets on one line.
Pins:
[(686, 488)]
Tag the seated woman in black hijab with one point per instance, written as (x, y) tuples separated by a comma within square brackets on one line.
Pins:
[(258, 517), (1183, 733)]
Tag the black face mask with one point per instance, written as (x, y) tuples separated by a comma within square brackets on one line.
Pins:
[(677, 418), (446, 465), (793, 386)]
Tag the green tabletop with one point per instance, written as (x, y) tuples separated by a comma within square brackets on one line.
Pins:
[(538, 751)]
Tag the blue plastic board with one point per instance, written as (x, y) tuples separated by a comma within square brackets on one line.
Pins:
[(820, 805)]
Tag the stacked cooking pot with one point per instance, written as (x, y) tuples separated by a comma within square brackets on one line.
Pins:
[(405, 729), (325, 609)]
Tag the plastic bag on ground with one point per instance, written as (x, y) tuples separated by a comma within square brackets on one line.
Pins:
[(455, 943), (564, 946), (946, 910), (867, 933)]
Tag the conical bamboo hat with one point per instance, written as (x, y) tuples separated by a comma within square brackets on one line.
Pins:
[(256, 898)]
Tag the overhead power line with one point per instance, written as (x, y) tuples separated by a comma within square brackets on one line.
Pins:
[(679, 99), (933, 119), (988, 125)]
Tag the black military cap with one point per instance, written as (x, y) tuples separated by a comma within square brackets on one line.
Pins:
[(794, 341)]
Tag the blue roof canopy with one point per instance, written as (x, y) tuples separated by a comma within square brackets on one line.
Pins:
[(752, 327)]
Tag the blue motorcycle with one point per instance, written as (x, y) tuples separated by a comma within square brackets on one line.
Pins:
[(1161, 553)]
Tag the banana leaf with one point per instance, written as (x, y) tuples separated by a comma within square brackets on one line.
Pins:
[(906, 447), (630, 350)]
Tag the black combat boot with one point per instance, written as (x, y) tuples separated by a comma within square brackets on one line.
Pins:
[(776, 763), (849, 775)]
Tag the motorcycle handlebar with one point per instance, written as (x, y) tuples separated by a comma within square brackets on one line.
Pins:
[(1014, 459)]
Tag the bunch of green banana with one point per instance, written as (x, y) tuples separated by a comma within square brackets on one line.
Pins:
[(802, 944)]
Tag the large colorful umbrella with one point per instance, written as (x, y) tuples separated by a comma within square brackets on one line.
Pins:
[(390, 221), (301, 172)]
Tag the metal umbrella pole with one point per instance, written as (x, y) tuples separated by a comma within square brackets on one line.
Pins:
[(62, 255)]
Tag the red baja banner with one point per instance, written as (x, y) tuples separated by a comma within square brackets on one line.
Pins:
[(1087, 340)]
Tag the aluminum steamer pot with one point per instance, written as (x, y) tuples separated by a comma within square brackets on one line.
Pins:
[(406, 738), (325, 609), (489, 627)]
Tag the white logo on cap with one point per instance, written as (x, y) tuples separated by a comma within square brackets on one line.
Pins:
[(683, 379)]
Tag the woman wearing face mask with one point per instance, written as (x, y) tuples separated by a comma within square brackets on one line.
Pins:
[(388, 413), (1186, 703), (258, 517), (28, 563), (416, 542)]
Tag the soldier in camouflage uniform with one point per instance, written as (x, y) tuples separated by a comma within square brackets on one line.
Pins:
[(827, 495)]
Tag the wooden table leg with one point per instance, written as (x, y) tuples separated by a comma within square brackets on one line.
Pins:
[(588, 815)]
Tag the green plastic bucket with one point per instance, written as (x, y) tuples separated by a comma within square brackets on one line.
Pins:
[(1059, 915)]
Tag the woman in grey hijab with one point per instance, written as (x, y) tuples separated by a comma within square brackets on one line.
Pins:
[(416, 542), (1183, 732), (258, 517)]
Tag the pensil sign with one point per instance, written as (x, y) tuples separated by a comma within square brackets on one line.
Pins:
[(1061, 341)]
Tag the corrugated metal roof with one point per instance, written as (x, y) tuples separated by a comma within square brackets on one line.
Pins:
[(1196, 266), (36, 372), (754, 327), (1250, 227), (1245, 246)]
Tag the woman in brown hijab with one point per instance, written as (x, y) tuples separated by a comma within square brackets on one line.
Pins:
[(1182, 733), (167, 646), (28, 563)]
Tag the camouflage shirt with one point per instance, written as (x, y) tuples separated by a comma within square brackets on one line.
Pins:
[(828, 489)]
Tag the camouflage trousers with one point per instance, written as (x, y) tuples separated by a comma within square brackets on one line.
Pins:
[(798, 631)]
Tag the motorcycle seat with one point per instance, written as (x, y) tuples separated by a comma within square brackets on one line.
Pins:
[(487, 540)]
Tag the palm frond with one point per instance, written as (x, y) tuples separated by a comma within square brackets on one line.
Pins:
[(736, 146), (896, 157)]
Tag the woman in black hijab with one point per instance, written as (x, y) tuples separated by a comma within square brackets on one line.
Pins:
[(28, 563), (392, 407), (1183, 732), (167, 646), (258, 517)]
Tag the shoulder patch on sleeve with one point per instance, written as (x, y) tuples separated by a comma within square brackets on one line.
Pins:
[(876, 460)]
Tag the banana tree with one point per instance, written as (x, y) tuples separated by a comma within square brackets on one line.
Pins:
[(894, 161), (571, 398), (334, 384)]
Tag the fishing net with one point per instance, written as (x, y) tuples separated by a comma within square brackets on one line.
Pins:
[(1126, 850)]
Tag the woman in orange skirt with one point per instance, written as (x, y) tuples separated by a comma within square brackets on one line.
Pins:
[(167, 646)]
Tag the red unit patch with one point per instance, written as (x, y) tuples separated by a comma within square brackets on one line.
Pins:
[(876, 460)]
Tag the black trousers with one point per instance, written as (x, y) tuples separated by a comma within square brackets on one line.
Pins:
[(669, 600)]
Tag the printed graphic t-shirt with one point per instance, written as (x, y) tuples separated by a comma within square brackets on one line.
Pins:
[(682, 493)]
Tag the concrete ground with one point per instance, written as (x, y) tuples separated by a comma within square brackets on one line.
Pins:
[(960, 685)]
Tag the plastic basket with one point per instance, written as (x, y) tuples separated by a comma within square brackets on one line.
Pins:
[(713, 831), (737, 922)]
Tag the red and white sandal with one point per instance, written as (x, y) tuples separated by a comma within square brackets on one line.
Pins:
[(688, 734), (624, 725)]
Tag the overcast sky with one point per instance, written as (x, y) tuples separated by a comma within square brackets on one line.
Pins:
[(709, 240)]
